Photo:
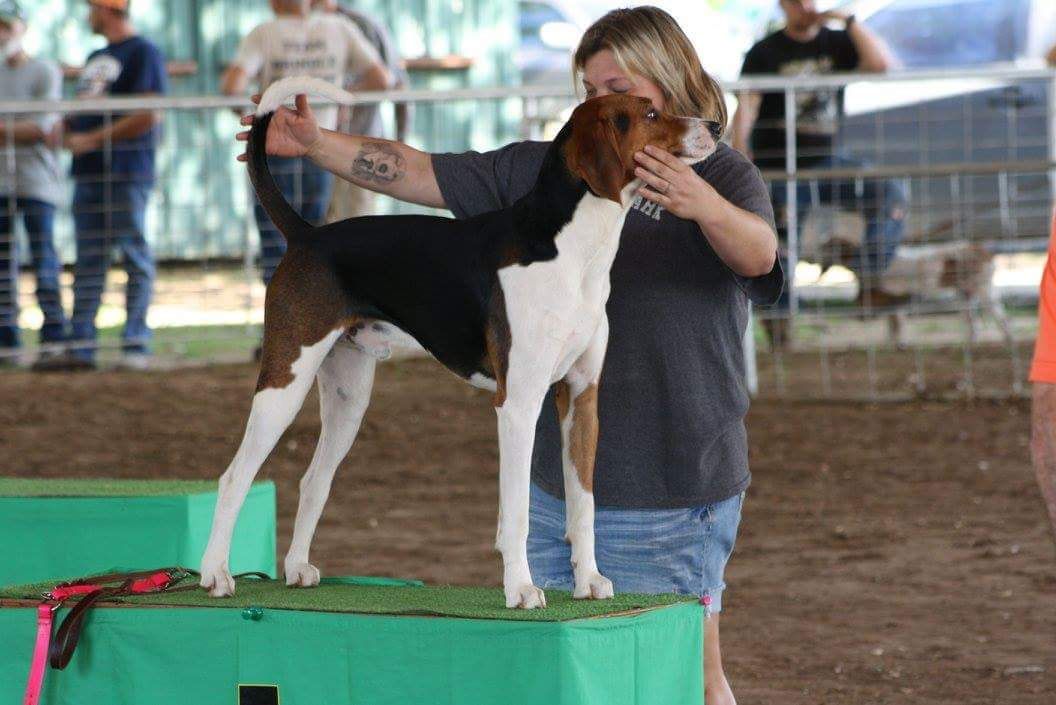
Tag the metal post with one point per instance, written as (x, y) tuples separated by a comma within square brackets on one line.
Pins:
[(108, 226), (526, 119), (792, 209), (751, 364), (12, 246), (249, 272)]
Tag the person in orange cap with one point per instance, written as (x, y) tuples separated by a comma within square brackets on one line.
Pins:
[(1043, 375), (113, 171)]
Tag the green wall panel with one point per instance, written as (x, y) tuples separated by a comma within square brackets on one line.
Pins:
[(70, 536)]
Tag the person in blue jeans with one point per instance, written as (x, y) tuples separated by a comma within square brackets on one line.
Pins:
[(29, 184), (297, 42), (307, 187), (113, 169), (697, 245), (38, 217)]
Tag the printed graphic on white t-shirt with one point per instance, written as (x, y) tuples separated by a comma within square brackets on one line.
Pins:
[(329, 47)]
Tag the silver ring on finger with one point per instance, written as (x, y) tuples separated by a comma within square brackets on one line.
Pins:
[(667, 186)]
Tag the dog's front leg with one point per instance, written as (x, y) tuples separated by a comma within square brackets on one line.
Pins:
[(578, 415), (517, 418)]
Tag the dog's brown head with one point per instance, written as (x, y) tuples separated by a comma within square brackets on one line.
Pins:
[(606, 132)]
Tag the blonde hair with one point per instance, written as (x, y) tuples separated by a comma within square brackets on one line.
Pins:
[(648, 42)]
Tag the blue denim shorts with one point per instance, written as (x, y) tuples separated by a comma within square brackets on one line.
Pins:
[(640, 550)]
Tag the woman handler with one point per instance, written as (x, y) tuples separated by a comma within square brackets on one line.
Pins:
[(697, 246)]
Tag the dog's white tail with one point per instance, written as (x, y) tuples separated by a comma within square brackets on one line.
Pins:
[(286, 219), (282, 89)]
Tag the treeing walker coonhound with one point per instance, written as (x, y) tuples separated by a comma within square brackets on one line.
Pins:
[(923, 277), (512, 301)]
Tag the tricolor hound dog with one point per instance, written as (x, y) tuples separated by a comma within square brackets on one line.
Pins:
[(512, 301), (960, 272)]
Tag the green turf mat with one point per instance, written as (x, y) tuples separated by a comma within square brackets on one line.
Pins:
[(368, 598), (101, 487)]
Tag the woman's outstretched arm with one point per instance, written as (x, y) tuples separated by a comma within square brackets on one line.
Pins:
[(384, 166)]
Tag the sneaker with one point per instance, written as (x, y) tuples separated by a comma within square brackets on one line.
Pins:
[(63, 362), (135, 361), (10, 357), (48, 353)]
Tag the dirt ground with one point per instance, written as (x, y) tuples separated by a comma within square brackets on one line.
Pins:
[(890, 553)]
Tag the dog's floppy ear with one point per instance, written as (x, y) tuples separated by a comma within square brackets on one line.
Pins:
[(595, 155)]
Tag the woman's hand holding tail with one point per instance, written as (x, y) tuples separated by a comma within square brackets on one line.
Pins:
[(292, 133)]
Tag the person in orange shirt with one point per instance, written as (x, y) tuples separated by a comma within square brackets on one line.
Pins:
[(1043, 375)]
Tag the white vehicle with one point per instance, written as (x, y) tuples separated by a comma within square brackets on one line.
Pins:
[(551, 29)]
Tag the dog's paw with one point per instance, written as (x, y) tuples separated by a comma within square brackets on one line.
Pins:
[(594, 586), (525, 597), (302, 575), (218, 581)]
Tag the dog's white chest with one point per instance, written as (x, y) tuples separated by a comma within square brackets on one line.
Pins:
[(558, 303)]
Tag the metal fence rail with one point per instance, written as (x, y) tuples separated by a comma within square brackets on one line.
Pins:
[(975, 164)]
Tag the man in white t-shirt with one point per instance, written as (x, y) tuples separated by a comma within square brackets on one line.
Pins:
[(350, 200), (298, 43)]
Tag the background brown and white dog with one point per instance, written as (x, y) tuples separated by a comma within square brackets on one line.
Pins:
[(919, 277), (513, 301), (961, 271)]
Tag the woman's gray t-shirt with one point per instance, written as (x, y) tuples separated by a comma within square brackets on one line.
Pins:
[(672, 398)]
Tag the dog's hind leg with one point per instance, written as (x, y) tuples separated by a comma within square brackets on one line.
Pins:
[(345, 381), (997, 309), (896, 328), (577, 409), (971, 319), (280, 394)]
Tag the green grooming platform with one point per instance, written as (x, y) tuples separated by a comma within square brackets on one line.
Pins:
[(356, 641), (78, 527)]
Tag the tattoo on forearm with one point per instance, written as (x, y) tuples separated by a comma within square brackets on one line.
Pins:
[(378, 162)]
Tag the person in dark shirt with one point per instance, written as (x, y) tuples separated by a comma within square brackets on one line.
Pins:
[(806, 47), (113, 171)]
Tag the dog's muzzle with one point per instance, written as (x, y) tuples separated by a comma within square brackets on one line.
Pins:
[(699, 141)]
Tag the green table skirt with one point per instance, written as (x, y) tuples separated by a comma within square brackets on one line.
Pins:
[(101, 525), (181, 655)]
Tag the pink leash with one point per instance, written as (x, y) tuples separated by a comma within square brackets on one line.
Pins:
[(134, 584), (45, 616)]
